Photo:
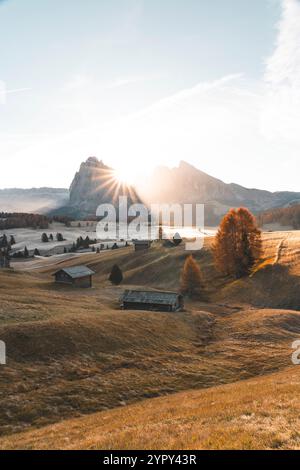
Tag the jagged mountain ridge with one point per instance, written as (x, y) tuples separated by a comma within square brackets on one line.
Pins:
[(187, 184), (95, 183)]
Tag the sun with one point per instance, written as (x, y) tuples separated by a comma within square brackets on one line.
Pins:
[(125, 176)]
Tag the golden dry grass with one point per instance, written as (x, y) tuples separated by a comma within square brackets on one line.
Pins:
[(73, 352), (259, 413), (275, 281)]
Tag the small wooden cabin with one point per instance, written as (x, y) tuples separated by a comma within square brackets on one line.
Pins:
[(78, 276), (141, 245), (152, 300)]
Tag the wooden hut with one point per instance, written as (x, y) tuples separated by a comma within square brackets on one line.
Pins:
[(78, 276), (141, 245), (152, 300)]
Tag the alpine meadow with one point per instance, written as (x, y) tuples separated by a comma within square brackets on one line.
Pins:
[(149, 230)]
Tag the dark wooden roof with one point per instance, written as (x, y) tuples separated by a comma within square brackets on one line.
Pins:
[(75, 272), (151, 297)]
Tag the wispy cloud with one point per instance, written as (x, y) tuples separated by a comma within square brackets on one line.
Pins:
[(283, 67), (78, 81), (280, 117), (16, 90), (4, 91), (197, 90), (123, 81)]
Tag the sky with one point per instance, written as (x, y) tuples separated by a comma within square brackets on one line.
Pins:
[(141, 83)]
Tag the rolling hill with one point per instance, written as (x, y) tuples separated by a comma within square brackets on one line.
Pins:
[(261, 413), (74, 352)]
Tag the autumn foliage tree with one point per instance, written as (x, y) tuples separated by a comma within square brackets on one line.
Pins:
[(238, 243), (191, 278)]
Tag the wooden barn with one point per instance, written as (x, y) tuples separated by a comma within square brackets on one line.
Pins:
[(152, 300), (141, 245), (78, 276)]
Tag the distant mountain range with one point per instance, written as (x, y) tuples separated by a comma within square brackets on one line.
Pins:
[(36, 200), (95, 183), (187, 184)]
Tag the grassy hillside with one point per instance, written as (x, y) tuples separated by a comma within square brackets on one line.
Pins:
[(73, 352), (261, 413), (274, 283)]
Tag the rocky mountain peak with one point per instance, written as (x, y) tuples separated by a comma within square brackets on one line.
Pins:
[(94, 162), (94, 184)]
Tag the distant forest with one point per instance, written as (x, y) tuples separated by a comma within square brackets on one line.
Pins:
[(10, 220), (283, 216)]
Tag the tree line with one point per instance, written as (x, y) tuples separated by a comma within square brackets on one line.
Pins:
[(283, 216), (49, 238), (10, 220)]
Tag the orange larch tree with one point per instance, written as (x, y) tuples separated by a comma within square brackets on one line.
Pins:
[(238, 243), (191, 278)]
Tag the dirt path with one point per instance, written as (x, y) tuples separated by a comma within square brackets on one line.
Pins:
[(282, 248)]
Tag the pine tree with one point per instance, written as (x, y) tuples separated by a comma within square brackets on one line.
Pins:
[(191, 278), (116, 275), (12, 240), (26, 253), (3, 241), (36, 252), (45, 238), (79, 243)]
